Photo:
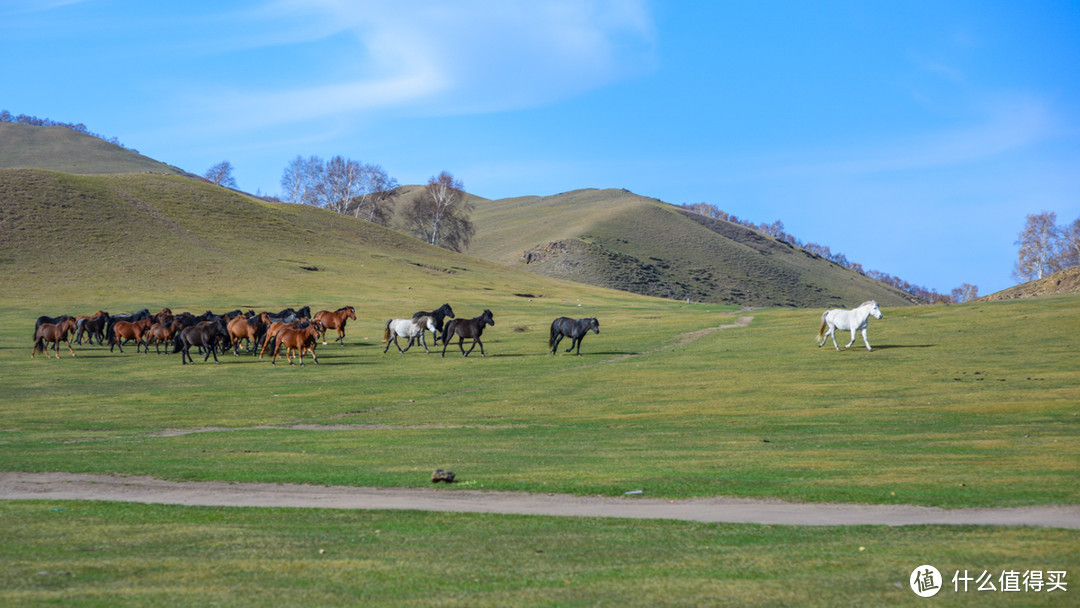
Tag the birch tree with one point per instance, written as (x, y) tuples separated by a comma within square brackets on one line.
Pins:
[(1040, 247), (440, 214)]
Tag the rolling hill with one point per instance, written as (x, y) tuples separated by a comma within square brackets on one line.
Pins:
[(95, 201), (617, 239)]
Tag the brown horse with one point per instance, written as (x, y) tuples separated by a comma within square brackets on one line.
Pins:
[(298, 339), (272, 331), (242, 328), (335, 320), (55, 333), (467, 328), (129, 330), (162, 333)]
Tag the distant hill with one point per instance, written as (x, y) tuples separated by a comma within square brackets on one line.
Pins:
[(68, 151), (154, 221), (617, 239), (1061, 282)]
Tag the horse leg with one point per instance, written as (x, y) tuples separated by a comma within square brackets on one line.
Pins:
[(68, 342), (555, 343), (341, 335), (832, 333), (865, 341), (579, 345), (853, 330), (423, 342), (407, 346), (573, 341)]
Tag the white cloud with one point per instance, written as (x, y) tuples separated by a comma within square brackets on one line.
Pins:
[(467, 56)]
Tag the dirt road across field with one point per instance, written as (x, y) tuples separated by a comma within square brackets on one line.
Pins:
[(67, 486)]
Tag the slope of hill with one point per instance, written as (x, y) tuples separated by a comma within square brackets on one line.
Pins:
[(72, 238), (1061, 282), (61, 149), (617, 239)]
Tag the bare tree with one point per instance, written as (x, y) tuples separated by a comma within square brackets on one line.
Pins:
[(440, 214), (300, 180), (221, 174), (965, 293), (1040, 247), (342, 181), (375, 202), (1070, 250)]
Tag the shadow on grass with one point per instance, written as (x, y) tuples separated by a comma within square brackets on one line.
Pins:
[(884, 346)]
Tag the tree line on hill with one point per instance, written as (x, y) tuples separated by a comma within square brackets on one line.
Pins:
[(34, 121), (963, 293)]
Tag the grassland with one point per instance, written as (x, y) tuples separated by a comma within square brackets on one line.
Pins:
[(971, 405)]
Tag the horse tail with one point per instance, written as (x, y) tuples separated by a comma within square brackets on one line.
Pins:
[(449, 327), (178, 344), (551, 338), (386, 333), (824, 325)]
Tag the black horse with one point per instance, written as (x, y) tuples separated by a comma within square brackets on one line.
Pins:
[(467, 328), (94, 327), (204, 335), (439, 314), (575, 328)]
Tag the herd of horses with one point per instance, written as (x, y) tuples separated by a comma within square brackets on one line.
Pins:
[(296, 330)]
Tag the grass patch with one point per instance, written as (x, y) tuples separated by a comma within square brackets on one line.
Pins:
[(94, 554)]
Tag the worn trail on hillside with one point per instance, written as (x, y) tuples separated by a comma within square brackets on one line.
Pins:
[(147, 490)]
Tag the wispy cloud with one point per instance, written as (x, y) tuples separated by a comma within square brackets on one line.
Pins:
[(467, 56)]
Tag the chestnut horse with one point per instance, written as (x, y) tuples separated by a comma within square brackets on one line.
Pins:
[(335, 320), (162, 333), (298, 339), (244, 328), (129, 330), (467, 328), (55, 333)]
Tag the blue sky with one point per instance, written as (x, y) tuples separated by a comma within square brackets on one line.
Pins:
[(914, 137)]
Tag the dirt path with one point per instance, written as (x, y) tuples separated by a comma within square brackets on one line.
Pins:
[(67, 486)]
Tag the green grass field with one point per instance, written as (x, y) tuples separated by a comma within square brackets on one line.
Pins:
[(956, 406), (961, 406)]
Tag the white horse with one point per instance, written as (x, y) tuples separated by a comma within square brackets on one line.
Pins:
[(408, 328), (854, 320)]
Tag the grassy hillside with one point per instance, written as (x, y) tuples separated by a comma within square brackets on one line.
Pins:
[(69, 238), (616, 239), (61, 149)]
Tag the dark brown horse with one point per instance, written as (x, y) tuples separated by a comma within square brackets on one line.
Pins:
[(206, 334), (439, 314), (92, 325), (55, 333), (298, 339), (335, 320), (129, 330), (161, 333), (467, 328)]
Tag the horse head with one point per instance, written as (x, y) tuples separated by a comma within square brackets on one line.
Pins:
[(446, 310), (486, 318), (594, 325), (874, 310)]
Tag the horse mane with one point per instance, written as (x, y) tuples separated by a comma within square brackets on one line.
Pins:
[(868, 303)]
